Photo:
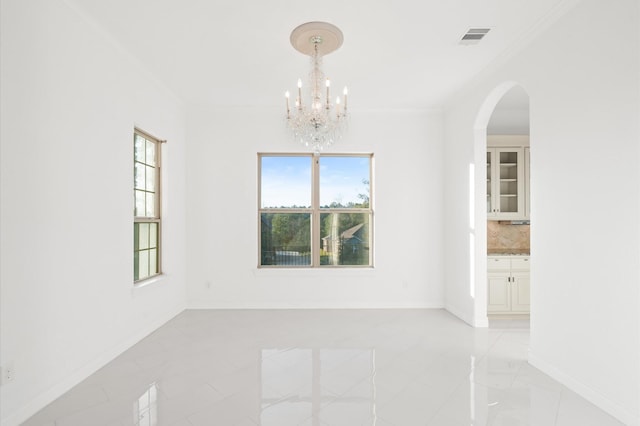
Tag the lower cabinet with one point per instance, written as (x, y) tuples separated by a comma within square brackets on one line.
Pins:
[(508, 285)]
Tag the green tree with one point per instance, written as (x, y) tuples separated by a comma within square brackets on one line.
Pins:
[(290, 229), (365, 197)]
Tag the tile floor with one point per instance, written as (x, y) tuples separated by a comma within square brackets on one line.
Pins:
[(322, 368)]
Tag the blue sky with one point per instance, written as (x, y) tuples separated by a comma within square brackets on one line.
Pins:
[(286, 181)]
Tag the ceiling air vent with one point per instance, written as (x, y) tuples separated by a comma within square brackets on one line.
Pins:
[(474, 35)]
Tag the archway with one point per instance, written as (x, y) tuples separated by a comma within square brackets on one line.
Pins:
[(504, 111)]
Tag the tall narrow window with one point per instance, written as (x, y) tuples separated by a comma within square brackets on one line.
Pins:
[(315, 211), (146, 225)]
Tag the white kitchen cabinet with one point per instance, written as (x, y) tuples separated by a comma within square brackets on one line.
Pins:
[(508, 285), (505, 183)]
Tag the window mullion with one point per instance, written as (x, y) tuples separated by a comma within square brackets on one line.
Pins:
[(315, 218)]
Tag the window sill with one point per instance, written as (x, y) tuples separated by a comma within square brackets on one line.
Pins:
[(148, 281)]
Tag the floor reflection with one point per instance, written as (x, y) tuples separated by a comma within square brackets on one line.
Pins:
[(298, 383), (145, 409), (323, 368)]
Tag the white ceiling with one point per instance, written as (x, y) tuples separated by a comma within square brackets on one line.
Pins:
[(396, 53)]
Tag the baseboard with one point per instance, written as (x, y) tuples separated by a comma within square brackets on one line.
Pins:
[(278, 306), (50, 395), (499, 317), (596, 398)]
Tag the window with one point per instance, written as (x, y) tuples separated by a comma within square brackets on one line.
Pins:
[(315, 211), (146, 191)]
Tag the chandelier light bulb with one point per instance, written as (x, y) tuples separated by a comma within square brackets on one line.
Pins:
[(321, 123), (328, 97), (286, 95), (345, 92)]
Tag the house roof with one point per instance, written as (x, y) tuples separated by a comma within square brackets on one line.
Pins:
[(348, 234)]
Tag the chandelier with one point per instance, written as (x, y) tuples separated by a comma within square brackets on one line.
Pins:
[(320, 123)]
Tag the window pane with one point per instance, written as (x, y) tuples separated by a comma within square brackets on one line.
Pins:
[(344, 182), (140, 203), (143, 236), (139, 148), (150, 179), (285, 239), (153, 235), (344, 239), (143, 264), (285, 182), (151, 205), (139, 176), (153, 262), (151, 153)]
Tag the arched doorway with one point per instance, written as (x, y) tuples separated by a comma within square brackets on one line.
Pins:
[(504, 113)]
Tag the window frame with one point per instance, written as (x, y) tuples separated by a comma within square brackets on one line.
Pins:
[(157, 218), (316, 210)]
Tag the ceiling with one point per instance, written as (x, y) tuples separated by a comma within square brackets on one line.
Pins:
[(396, 53)]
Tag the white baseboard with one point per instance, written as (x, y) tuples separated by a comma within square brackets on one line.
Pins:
[(591, 395), (277, 306), (50, 395)]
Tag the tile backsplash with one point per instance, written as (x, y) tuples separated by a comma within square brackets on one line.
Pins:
[(503, 237)]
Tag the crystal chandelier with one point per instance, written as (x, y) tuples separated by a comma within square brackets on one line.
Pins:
[(322, 122)]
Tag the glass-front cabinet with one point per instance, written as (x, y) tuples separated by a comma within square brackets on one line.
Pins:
[(505, 184)]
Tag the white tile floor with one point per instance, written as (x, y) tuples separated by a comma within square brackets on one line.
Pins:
[(321, 368)]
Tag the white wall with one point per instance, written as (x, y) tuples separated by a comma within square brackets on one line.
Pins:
[(222, 200), (70, 101), (584, 192)]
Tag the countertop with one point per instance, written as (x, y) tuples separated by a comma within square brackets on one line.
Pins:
[(514, 252)]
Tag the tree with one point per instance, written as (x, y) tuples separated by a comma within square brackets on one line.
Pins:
[(365, 197), (290, 229)]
